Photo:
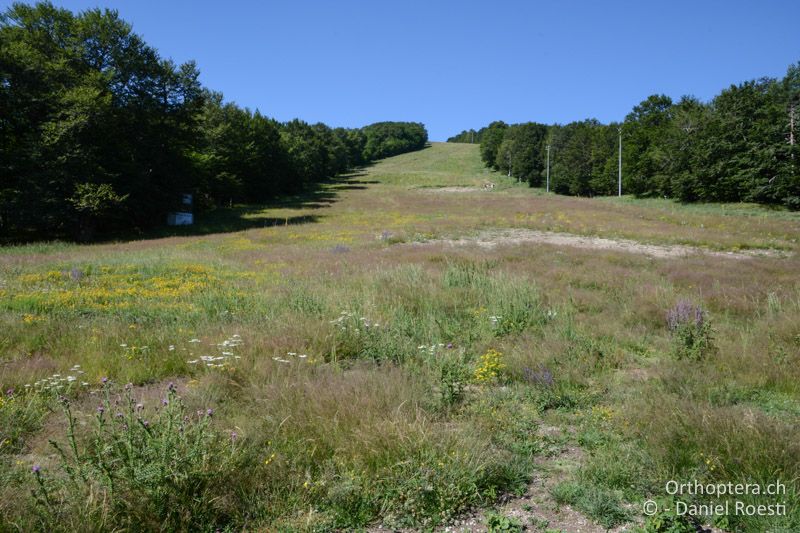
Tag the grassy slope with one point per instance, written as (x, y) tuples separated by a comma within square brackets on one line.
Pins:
[(413, 440)]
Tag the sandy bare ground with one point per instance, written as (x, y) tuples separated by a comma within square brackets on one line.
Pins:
[(493, 238)]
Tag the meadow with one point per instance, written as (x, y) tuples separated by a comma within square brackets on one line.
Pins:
[(347, 359)]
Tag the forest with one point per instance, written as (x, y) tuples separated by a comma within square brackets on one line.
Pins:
[(739, 147), (100, 134)]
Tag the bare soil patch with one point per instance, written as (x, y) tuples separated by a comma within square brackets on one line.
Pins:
[(455, 189), (536, 509), (490, 239)]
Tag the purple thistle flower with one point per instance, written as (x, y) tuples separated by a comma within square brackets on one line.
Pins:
[(104, 380), (209, 411), (233, 435), (101, 410), (145, 423), (35, 469), (119, 415), (10, 392), (449, 345), (164, 401)]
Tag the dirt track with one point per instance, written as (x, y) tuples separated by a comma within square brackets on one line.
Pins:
[(490, 239)]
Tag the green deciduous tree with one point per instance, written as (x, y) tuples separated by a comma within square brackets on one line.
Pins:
[(741, 146), (384, 139), (491, 141), (89, 102), (98, 131)]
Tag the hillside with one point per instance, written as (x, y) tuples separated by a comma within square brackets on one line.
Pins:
[(404, 347)]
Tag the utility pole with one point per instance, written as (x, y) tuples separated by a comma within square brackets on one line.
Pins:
[(548, 168), (619, 180)]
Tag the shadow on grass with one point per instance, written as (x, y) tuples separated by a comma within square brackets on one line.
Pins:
[(234, 218), (229, 220), (251, 216)]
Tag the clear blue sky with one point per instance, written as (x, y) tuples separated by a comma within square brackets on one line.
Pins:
[(455, 65)]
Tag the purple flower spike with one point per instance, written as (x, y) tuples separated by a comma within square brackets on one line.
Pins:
[(541, 377), (685, 313)]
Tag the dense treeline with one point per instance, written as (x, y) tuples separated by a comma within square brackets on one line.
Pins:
[(741, 146), (97, 130), (468, 136), (385, 139)]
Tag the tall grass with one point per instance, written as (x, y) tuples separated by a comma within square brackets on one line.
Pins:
[(354, 381)]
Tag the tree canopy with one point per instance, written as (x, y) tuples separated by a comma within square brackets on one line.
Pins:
[(98, 131), (740, 146)]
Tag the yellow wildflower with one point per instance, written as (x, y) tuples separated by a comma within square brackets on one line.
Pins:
[(490, 367)]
